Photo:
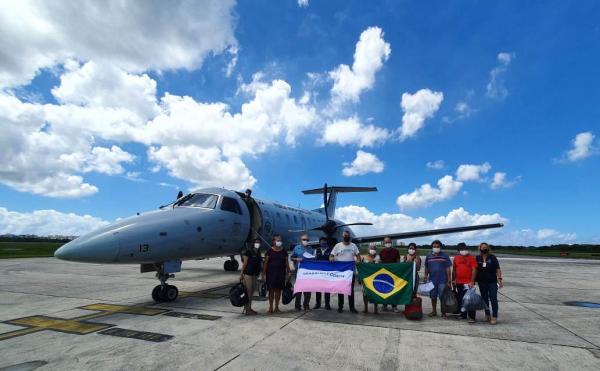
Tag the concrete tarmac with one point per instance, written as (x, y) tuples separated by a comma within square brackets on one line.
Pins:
[(57, 315)]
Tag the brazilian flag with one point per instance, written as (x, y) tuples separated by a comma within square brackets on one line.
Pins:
[(388, 283)]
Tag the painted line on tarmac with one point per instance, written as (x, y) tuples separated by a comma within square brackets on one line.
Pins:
[(134, 334), (128, 309), (70, 326)]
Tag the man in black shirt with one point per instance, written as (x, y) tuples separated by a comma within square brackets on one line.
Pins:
[(322, 253), (489, 278)]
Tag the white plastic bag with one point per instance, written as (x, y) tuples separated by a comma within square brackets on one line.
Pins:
[(424, 288)]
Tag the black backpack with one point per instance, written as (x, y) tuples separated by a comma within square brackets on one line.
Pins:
[(287, 294), (238, 295)]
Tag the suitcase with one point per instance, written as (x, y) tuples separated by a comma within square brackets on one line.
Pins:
[(414, 310)]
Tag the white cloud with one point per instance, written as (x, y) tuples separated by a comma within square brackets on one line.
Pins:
[(426, 195), (47, 222), (436, 165), (495, 87), (583, 147), (397, 222), (134, 36), (500, 181), (370, 54), (364, 163), (469, 172), (417, 108), (352, 131), (303, 3)]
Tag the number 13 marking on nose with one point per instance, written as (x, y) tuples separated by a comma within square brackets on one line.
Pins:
[(144, 247)]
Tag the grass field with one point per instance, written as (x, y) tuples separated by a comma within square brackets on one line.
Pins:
[(28, 249)]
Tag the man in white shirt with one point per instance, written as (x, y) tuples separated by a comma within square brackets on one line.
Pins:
[(346, 251)]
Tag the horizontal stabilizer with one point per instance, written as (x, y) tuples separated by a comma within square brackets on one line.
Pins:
[(339, 190), (431, 232)]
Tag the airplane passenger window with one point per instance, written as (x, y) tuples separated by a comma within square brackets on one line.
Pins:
[(200, 200), (287, 217), (230, 204), (295, 220)]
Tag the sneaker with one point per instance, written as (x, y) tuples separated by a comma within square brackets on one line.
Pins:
[(318, 306), (352, 310), (487, 318), (396, 310), (471, 320), (340, 310), (493, 321), (298, 309), (328, 307)]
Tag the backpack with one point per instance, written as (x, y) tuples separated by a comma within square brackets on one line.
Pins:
[(287, 294), (238, 295)]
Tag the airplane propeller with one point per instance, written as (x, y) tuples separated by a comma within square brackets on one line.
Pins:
[(330, 226)]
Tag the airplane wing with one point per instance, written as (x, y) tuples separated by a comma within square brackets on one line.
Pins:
[(431, 232)]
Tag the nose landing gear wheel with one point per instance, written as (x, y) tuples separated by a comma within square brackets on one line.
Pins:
[(167, 293), (228, 265)]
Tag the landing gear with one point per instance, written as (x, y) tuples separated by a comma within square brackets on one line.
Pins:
[(231, 265), (165, 292)]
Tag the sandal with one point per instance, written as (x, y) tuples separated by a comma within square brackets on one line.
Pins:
[(432, 314)]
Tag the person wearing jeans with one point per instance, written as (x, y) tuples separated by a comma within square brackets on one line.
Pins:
[(346, 251), (489, 279), (301, 252), (464, 271), (438, 269)]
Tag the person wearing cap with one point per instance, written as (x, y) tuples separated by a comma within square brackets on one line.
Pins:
[(371, 258), (464, 271), (437, 269), (251, 268), (322, 253), (413, 256), (389, 254), (346, 251), (300, 252), (489, 279)]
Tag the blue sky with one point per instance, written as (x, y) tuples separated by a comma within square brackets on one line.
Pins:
[(508, 87)]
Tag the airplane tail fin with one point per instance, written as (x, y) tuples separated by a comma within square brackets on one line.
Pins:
[(330, 196)]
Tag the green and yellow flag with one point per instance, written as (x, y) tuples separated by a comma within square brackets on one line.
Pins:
[(389, 283)]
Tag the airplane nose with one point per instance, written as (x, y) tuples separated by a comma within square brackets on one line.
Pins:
[(92, 248)]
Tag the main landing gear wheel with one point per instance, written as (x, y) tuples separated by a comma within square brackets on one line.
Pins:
[(166, 293), (231, 265)]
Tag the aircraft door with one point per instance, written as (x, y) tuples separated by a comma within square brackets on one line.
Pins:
[(234, 224)]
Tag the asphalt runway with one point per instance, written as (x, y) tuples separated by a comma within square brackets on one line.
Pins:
[(57, 315)]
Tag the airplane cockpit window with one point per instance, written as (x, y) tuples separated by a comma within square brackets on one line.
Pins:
[(230, 204), (199, 200)]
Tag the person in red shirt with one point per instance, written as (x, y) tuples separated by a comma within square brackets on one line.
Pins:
[(464, 271), (389, 254)]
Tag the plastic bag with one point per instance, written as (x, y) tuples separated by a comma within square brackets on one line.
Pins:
[(287, 294), (424, 288), (449, 301), (473, 301)]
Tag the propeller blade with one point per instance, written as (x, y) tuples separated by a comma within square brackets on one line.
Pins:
[(346, 225), (325, 201)]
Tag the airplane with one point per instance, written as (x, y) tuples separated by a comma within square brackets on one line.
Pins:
[(216, 222)]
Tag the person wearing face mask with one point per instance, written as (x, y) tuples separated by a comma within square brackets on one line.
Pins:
[(389, 254), (371, 258), (300, 252), (251, 261), (437, 269), (464, 271), (276, 270), (346, 251), (412, 256), (322, 253), (489, 279)]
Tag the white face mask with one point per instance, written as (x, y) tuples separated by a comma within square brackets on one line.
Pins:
[(372, 252), (436, 250), (256, 245), (411, 251), (464, 252), (278, 243), (388, 244), (304, 243)]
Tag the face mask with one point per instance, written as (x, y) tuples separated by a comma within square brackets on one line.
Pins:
[(372, 252), (278, 243), (464, 252), (256, 245), (324, 245), (436, 250), (304, 243), (346, 238), (484, 251), (411, 251), (388, 244)]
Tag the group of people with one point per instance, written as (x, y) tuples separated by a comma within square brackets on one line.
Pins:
[(459, 273)]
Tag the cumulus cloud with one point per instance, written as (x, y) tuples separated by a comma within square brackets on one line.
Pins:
[(417, 108), (495, 87), (470, 172), (364, 163), (353, 131), (425, 195), (501, 181), (303, 3), (134, 36), (370, 54), (47, 223), (436, 165), (582, 147)]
